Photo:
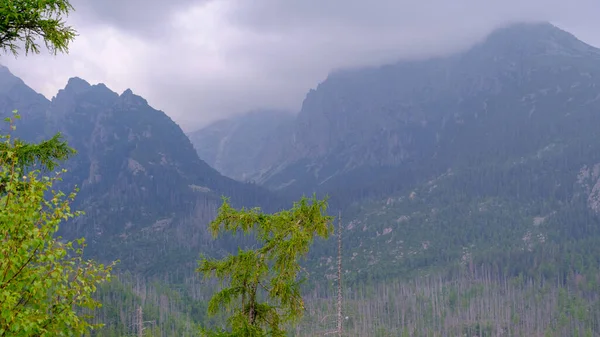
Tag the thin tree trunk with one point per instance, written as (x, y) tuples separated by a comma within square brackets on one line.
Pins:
[(140, 323), (339, 299)]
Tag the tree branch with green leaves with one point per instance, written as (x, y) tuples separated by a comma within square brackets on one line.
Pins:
[(46, 285), (27, 156)]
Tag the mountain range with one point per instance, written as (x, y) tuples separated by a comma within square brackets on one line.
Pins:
[(490, 150), (141, 181), (487, 157)]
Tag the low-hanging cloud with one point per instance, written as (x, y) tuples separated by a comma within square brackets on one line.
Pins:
[(201, 60)]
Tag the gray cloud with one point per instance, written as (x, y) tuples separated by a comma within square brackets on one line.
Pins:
[(403, 13), (207, 59), (149, 18)]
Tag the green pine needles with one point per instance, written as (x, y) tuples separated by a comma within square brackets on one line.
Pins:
[(261, 287), (25, 22)]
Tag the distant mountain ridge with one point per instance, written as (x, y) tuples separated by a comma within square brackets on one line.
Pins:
[(479, 155), (138, 172), (235, 146)]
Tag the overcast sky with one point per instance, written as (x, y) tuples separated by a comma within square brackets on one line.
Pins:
[(201, 60)]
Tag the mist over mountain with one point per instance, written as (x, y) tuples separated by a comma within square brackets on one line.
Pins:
[(440, 111), (235, 147), (433, 157)]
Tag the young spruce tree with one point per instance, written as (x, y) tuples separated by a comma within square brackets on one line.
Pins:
[(261, 287)]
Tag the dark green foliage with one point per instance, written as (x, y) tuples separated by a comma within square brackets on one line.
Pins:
[(45, 154), (25, 21), (168, 310)]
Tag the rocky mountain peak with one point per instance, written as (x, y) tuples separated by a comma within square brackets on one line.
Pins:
[(77, 85), (538, 38), (131, 99), (127, 92)]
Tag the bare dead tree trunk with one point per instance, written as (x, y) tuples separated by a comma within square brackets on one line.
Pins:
[(140, 322), (339, 300)]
